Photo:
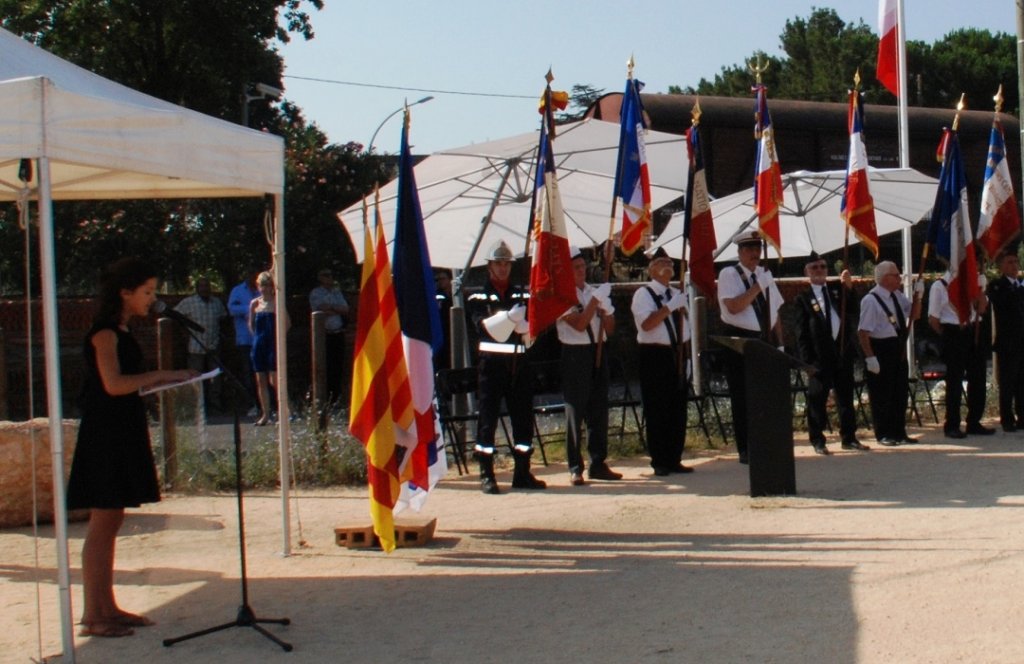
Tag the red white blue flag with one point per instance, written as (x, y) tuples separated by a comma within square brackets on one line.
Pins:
[(857, 207), (950, 231), (632, 182), (767, 172), (552, 288), (999, 221), (420, 320), (698, 225)]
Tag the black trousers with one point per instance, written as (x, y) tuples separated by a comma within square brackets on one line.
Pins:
[(585, 389), (1010, 373), (663, 394), (508, 377), (888, 389), (840, 379), (963, 359)]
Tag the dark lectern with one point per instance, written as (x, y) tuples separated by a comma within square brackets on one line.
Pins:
[(769, 414)]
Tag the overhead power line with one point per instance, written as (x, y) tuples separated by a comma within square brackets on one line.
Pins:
[(407, 89)]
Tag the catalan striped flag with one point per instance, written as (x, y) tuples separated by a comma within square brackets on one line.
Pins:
[(420, 320), (370, 418), (698, 225), (857, 207), (949, 230), (552, 286), (767, 172), (632, 182), (999, 221)]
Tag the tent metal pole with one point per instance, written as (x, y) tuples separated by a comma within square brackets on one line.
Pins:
[(904, 140), (53, 404), (283, 416), (510, 165)]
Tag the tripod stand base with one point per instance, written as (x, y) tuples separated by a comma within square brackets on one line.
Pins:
[(245, 618)]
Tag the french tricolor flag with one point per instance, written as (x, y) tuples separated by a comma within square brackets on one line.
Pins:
[(857, 206), (767, 172), (998, 222)]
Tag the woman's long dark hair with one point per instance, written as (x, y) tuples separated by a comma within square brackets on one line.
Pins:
[(125, 274)]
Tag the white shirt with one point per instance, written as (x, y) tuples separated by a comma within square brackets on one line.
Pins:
[(940, 307), (643, 306), (730, 285), (567, 334), (873, 318), (820, 296)]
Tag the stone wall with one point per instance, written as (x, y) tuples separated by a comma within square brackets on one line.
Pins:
[(16, 440)]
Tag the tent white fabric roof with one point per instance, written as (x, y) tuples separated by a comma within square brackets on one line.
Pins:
[(105, 140), (91, 138)]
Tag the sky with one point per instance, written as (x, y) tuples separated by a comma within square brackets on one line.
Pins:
[(484, 61)]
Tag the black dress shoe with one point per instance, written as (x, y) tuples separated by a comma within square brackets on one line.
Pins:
[(855, 445), (980, 430), (888, 442), (907, 440), (680, 468), (1009, 428), (603, 472), (744, 459), (821, 449), (576, 479), (955, 433), (662, 472)]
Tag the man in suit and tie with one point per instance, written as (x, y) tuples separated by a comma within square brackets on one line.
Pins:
[(827, 340), (1007, 297)]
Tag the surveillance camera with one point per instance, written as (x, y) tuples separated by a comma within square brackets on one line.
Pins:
[(269, 91)]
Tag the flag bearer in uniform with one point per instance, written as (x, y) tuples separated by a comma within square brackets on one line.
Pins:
[(504, 371)]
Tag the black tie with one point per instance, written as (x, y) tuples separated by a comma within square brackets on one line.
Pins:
[(828, 311), (899, 314)]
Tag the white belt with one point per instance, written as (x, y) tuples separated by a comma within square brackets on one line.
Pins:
[(494, 347)]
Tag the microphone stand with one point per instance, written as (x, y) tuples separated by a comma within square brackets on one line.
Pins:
[(246, 617)]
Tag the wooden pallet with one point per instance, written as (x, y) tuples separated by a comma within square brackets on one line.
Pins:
[(407, 533)]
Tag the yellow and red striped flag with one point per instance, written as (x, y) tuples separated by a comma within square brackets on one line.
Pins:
[(370, 416)]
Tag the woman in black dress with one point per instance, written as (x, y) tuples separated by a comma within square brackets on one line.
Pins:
[(113, 465)]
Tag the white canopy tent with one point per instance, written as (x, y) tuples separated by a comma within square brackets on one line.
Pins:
[(91, 138)]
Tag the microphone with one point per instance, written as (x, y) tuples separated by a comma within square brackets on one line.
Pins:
[(160, 307)]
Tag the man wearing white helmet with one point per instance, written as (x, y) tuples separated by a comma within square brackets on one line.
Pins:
[(504, 369), (584, 381)]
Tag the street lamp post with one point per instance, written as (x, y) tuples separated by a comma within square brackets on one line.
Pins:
[(369, 147)]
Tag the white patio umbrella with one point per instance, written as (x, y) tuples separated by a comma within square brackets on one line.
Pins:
[(475, 195), (809, 218)]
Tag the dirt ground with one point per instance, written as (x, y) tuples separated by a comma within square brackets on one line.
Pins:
[(909, 554)]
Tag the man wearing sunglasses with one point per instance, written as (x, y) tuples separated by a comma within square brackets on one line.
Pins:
[(826, 338)]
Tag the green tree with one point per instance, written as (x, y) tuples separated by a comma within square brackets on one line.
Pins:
[(580, 99)]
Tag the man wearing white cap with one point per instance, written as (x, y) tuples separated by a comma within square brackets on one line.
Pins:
[(504, 370), (584, 381), (749, 302), (656, 307)]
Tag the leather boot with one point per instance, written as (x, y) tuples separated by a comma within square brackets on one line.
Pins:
[(522, 478), (487, 482)]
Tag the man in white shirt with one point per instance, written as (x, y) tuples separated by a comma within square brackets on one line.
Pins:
[(749, 302), (885, 317), (584, 380), (659, 312), (204, 347), (965, 353)]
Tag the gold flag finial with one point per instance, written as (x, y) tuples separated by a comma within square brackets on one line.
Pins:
[(549, 76), (960, 105), (998, 99), (629, 66), (856, 79), (696, 112), (758, 69)]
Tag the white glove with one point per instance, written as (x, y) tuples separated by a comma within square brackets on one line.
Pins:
[(676, 302), (522, 327), (765, 281), (918, 287), (871, 364), (602, 292), (606, 306), (517, 314), (982, 280)]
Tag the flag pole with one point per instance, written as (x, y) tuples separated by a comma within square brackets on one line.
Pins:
[(609, 248), (846, 237), (681, 356), (956, 126)]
